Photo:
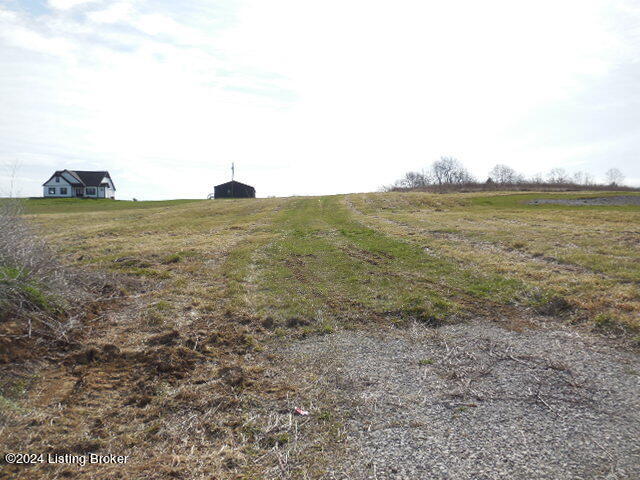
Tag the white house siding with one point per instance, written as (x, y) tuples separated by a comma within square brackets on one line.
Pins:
[(66, 180), (57, 185), (106, 192), (109, 191)]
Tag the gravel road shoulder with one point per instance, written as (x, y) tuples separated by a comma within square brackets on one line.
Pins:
[(476, 401), (620, 200)]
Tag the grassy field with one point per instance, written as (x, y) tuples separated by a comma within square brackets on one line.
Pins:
[(182, 363), (587, 255), (357, 257), (73, 205)]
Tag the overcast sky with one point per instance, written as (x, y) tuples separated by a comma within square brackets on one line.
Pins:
[(313, 97)]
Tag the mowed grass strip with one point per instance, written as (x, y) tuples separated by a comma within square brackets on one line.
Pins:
[(326, 266), (196, 248), (586, 254), (400, 255)]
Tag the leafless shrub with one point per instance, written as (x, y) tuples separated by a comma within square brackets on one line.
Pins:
[(614, 176), (449, 170), (558, 175), (583, 178), (449, 175), (38, 296), (516, 187), (21, 251), (442, 173), (504, 174), (414, 180)]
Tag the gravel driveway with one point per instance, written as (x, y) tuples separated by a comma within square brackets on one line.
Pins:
[(620, 200), (476, 401)]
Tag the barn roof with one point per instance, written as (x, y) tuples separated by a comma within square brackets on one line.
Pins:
[(233, 182)]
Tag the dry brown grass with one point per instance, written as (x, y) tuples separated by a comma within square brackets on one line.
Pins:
[(587, 255), (172, 375), (41, 300), (180, 373)]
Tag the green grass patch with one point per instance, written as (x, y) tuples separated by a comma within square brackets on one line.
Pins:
[(8, 406), (522, 201), (172, 258), (325, 264), (83, 205), (587, 254), (29, 293), (393, 256)]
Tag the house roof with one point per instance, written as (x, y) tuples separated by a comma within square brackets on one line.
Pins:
[(86, 178), (90, 179), (233, 182)]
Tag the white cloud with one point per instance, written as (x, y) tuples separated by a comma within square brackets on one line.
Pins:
[(69, 4), (155, 23), (335, 95), (15, 32), (114, 13)]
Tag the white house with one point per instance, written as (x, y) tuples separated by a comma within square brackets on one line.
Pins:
[(76, 183)]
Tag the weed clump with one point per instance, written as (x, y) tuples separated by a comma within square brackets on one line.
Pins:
[(433, 313), (173, 258), (39, 298), (551, 305), (610, 323)]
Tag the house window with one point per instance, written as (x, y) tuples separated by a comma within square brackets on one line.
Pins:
[(57, 179), (52, 190), (90, 191), (63, 190)]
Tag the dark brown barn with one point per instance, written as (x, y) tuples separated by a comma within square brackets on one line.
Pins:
[(234, 189)]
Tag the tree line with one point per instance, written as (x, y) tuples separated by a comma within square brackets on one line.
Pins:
[(449, 171)]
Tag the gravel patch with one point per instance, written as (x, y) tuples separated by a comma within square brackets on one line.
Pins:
[(476, 401), (620, 200)]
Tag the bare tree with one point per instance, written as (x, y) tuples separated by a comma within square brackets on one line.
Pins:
[(558, 175), (414, 180), (588, 179), (463, 176), (449, 173), (11, 172), (449, 170), (614, 176), (537, 178), (505, 174), (582, 178)]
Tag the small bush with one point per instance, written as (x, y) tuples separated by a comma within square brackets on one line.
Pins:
[(433, 313), (325, 328), (608, 322), (162, 306), (604, 320), (173, 258), (550, 305), (38, 296)]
